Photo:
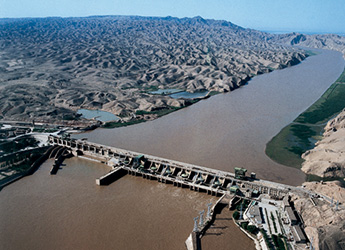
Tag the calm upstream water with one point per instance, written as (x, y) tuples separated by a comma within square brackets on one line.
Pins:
[(231, 130)]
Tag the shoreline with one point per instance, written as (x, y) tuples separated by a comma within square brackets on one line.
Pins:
[(306, 129), (161, 106), (153, 115), (189, 102)]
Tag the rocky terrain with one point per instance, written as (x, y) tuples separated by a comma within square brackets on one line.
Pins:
[(51, 67), (324, 224), (326, 41), (327, 158)]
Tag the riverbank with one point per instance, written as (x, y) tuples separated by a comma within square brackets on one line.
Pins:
[(13, 172), (143, 116), (327, 159), (292, 141)]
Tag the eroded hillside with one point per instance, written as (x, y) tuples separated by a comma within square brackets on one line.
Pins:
[(51, 67), (327, 158)]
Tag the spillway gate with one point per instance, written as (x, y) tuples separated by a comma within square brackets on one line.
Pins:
[(202, 179)]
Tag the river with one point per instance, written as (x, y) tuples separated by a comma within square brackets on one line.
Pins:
[(68, 211), (231, 130)]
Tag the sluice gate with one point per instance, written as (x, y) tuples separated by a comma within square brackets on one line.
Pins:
[(197, 178)]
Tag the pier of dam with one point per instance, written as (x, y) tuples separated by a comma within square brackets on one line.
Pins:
[(197, 178)]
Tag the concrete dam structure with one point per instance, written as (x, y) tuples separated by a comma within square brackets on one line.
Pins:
[(197, 178)]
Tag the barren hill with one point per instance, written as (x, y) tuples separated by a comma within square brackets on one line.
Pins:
[(50, 67), (324, 224), (325, 41), (327, 158)]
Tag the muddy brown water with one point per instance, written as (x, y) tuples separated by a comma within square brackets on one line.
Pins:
[(68, 211), (231, 130), (223, 229)]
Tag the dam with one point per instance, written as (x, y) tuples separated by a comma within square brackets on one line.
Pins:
[(197, 178), (232, 187)]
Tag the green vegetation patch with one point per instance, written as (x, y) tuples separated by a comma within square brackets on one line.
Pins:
[(122, 124), (151, 88), (11, 146), (295, 139), (267, 239), (278, 242), (19, 162), (292, 141), (236, 215), (213, 93), (311, 177), (243, 205), (330, 103), (159, 112), (341, 78), (268, 222), (285, 148), (252, 229), (70, 117), (311, 53), (249, 228), (274, 223), (244, 225)]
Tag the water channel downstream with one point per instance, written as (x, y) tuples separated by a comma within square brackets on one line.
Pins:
[(68, 211)]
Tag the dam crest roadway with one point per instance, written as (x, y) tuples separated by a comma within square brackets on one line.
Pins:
[(197, 178)]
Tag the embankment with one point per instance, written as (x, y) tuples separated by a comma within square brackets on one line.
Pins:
[(34, 166)]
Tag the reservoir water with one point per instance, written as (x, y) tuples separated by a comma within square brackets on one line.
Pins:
[(68, 211), (98, 115), (231, 130), (188, 95)]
